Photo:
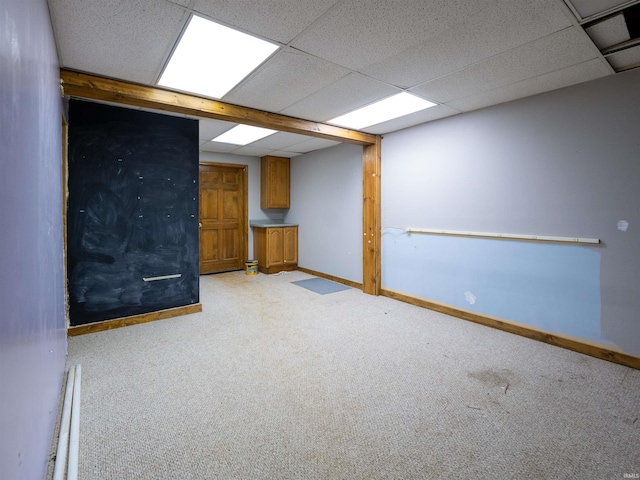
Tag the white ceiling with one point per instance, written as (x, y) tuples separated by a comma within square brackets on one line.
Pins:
[(338, 55)]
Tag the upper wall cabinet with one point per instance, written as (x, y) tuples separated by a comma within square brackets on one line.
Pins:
[(274, 182)]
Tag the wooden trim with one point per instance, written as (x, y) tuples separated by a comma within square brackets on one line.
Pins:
[(133, 320), (348, 283), (593, 350), (65, 198), (94, 87), (218, 164), (371, 243)]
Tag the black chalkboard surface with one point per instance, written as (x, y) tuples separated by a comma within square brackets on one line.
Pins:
[(132, 228)]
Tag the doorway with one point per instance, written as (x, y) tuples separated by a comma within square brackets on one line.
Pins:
[(223, 217)]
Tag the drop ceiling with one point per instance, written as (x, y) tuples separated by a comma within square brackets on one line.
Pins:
[(339, 55)]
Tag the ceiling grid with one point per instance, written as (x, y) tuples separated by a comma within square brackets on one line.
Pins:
[(339, 55)]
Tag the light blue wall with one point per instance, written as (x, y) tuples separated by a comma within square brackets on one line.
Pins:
[(32, 322), (552, 287), (563, 163), (326, 201)]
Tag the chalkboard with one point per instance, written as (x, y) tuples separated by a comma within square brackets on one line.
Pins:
[(133, 239)]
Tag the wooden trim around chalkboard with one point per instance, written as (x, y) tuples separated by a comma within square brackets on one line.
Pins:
[(65, 202), (133, 320), (348, 283), (577, 345)]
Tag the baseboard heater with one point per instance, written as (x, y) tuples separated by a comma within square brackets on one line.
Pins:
[(68, 439)]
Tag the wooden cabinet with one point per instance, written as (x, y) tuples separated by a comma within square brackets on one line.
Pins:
[(275, 248), (274, 182)]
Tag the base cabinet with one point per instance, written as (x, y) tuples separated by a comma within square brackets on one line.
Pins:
[(275, 248)]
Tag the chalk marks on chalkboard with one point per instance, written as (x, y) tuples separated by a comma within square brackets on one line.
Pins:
[(131, 214)]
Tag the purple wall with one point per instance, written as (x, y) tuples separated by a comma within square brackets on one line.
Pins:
[(32, 321)]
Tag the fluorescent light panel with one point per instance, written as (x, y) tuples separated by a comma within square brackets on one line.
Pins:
[(243, 135), (387, 109), (211, 59)]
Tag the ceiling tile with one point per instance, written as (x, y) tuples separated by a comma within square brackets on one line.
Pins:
[(553, 52), (433, 113), (586, 8), (252, 151), (279, 141), (284, 153), (357, 33), (501, 26), (312, 144), (347, 94), (609, 32), (286, 78), (209, 128), (625, 58), (278, 20), (218, 147), (124, 40), (572, 75)]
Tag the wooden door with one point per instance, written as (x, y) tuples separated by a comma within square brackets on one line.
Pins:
[(223, 218)]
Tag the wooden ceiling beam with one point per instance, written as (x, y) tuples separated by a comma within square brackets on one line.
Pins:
[(82, 85)]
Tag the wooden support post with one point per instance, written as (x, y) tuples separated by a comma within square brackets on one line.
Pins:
[(371, 246)]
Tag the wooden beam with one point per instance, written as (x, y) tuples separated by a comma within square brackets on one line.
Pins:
[(94, 87), (133, 320), (371, 243)]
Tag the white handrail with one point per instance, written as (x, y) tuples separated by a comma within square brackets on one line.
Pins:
[(508, 236)]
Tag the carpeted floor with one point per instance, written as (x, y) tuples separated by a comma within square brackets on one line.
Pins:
[(272, 381)]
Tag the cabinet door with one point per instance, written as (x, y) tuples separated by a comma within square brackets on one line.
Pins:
[(260, 246), (274, 182), (290, 245), (274, 246)]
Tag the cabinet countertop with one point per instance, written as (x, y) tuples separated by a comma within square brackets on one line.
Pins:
[(270, 223)]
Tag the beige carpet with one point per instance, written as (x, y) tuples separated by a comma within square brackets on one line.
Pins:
[(272, 381)]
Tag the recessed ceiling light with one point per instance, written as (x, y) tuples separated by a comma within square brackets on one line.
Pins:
[(211, 59), (392, 107), (243, 135)]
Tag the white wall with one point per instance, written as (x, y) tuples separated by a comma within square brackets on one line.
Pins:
[(326, 201), (564, 163)]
